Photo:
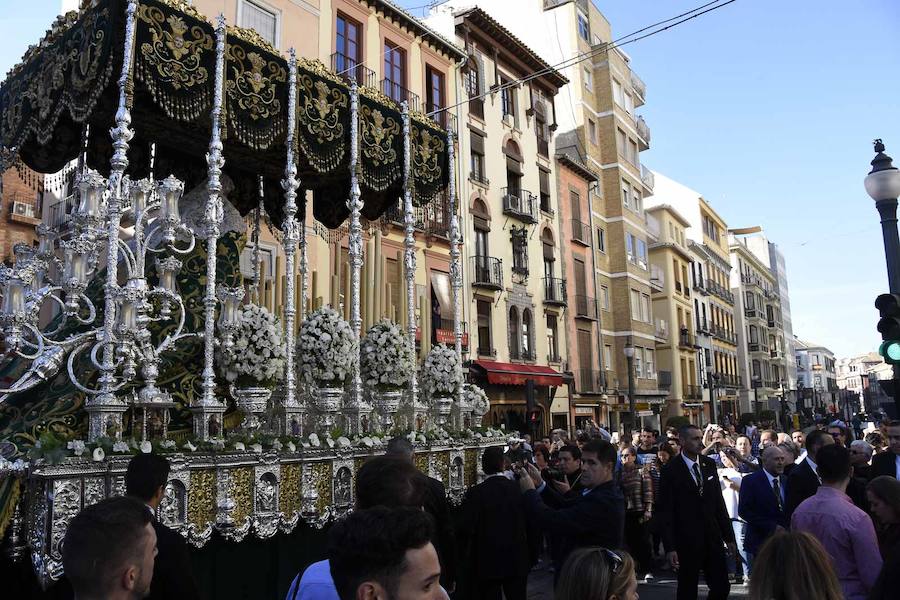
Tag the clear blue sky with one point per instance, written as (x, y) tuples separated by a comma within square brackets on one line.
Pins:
[(766, 107)]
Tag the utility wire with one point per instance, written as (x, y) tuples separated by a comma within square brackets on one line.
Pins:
[(693, 14)]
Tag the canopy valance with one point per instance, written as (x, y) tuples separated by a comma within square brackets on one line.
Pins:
[(62, 99)]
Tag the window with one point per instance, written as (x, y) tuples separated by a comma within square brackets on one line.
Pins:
[(638, 364), (645, 308), (484, 327), (607, 356), (629, 246), (434, 89), (638, 200), (394, 72), (629, 104), (592, 131), (472, 83), (588, 80), (263, 20), (632, 152), (519, 238), (626, 194), (527, 351), (635, 305), (507, 98), (584, 28), (544, 181), (604, 297), (650, 362), (347, 44), (477, 157), (552, 335), (514, 332), (601, 239), (621, 142), (642, 253), (575, 204), (618, 95)]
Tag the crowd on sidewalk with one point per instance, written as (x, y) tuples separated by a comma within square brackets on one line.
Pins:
[(800, 514)]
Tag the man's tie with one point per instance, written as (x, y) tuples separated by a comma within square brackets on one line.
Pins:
[(699, 478), (776, 487)]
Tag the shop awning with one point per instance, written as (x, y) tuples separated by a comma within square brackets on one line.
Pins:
[(499, 373)]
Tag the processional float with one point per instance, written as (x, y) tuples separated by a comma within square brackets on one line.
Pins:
[(179, 128)]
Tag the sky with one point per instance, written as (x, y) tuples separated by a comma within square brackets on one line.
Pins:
[(766, 107)]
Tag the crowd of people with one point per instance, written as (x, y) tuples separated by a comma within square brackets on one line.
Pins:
[(797, 515)]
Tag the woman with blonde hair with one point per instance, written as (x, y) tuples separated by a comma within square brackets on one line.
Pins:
[(595, 573), (793, 566)]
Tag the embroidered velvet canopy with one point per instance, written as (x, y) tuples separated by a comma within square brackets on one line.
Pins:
[(61, 101)]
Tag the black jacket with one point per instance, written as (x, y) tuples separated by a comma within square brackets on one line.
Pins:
[(172, 576), (594, 519), (889, 577), (802, 483), (884, 464), (692, 522), (492, 532), (759, 508), (436, 505)]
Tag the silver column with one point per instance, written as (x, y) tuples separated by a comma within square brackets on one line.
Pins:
[(356, 257), (409, 257), (455, 240), (105, 405), (212, 219), (290, 185)]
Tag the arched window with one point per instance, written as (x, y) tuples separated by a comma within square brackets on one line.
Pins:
[(549, 257), (514, 333), (527, 331)]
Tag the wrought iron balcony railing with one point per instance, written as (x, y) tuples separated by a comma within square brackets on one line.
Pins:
[(581, 232), (519, 203), (398, 93), (585, 307), (554, 291), (487, 272)]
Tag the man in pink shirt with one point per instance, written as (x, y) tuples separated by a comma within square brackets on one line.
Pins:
[(845, 531)]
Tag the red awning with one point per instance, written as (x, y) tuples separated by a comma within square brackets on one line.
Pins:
[(499, 373)]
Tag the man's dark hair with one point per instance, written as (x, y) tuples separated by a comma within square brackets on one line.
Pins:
[(492, 460), (684, 429), (605, 452), (371, 545), (389, 481), (145, 475), (399, 447), (101, 540), (647, 429), (574, 450), (815, 438), (833, 462)]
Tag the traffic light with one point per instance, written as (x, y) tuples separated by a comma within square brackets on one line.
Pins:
[(888, 306), (534, 417)]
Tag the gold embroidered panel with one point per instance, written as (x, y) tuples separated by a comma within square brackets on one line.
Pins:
[(202, 499), (289, 498), (242, 490)]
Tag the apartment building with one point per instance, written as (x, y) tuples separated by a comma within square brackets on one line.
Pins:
[(712, 299), (676, 347), (21, 201), (760, 338), (816, 372), (859, 376), (516, 289)]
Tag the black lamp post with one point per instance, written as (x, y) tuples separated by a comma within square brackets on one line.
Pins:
[(629, 356), (883, 185)]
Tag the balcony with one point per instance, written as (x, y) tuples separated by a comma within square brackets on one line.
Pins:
[(476, 108), (776, 353), (581, 232), (643, 131), (433, 219), (758, 347), (60, 213), (678, 286), (754, 313), (703, 327), (661, 331), (585, 307), (692, 392), (479, 177), (399, 94), (647, 178), (519, 204), (640, 89), (554, 357), (554, 291), (700, 286), (588, 381), (685, 339), (657, 278), (487, 272), (350, 70)]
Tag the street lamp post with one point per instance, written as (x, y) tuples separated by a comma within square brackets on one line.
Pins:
[(883, 185), (629, 355)]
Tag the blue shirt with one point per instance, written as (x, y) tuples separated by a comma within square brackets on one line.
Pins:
[(314, 584)]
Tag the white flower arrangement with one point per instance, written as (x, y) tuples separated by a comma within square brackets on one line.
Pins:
[(167, 444), (326, 348), (386, 357), (121, 446), (477, 399), (77, 447), (258, 356), (314, 440), (146, 447), (442, 372)]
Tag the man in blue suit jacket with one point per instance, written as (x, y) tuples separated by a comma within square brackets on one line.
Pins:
[(762, 500)]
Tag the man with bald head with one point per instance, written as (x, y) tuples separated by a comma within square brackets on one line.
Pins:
[(762, 500)]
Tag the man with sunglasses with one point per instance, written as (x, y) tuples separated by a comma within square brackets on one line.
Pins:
[(595, 518)]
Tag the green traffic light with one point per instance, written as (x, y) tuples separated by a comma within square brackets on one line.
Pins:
[(890, 350)]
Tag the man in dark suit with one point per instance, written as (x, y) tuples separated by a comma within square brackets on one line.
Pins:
[(492, 535), (762, 500), (694, 520), (804, 480), (596, 518), (888, 463), (146, 480), (437, 506)]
